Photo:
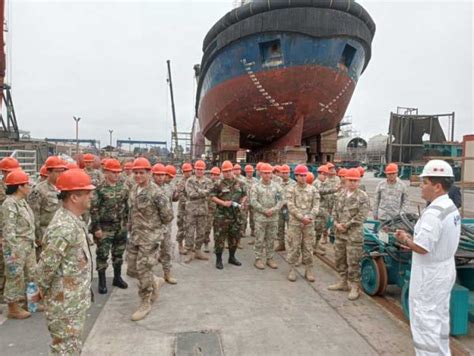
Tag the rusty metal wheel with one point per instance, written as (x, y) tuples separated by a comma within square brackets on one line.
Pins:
[(383, 275)]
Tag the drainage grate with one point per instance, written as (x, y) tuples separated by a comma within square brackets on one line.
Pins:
[(195, 343)]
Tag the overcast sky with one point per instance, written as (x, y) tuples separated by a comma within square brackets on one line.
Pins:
[(105, 61)]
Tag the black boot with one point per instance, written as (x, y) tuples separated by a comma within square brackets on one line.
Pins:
[(219, 264), (118, 281), (102, 283), (232, 259)]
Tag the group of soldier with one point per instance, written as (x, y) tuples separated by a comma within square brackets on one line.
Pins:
[(47, 233)]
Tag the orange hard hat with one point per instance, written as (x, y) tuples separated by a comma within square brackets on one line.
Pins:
[(17, 177), (186, 167), (74, 179), (43, 171), (200, 164), (128, 166), (9, 164), (55, 162), (342, 172), (171, 170), (141, 163), (285, 169), (237, 167), (301, 169), (226, 166), (249, 168), (361, 171), (266, 168), (88, 157), (310, 178), (72, 165), (215, 170), (330, 165), (323, 169), (158, 169), (277, 168), (259, 165), (353, 174), (391, 168), (113, 165)]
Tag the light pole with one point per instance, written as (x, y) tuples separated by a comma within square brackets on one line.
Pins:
[(130, 144), (77, 119), (110, 132)]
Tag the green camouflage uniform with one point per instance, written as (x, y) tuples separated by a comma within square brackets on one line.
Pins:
[(243, 211), (97, 178), (197, 194), (64, 276), (3, 196), (18, 247), (248, 213), (149, 211), (351, 211), (109, 213), (303, 201), (326, 193), (227, 221), (390, 199), (181, 218), (283, 213), (264, 197)]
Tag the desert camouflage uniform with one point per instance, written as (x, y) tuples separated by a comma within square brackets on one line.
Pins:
[(351, 211), (248, 213), (243, 211), (326, 193), (264, 197), (332, 182), (283, 216), (277, 179), (149, 211), (181, 218), (303, 201), (18, 247), (390, 199), (64, 276), (211, 210), (3, 196), (130, 182), (166, 247)]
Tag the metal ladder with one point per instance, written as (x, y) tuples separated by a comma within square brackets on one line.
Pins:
[(27, 159)]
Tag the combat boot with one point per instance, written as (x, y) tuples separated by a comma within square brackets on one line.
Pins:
[(292, 275), (271, 263), (16, 312), (199, 255), (259, 264), (142, 311), (102, 282), (309, 274), (169, 278), (232, 260), (219, 264), (189, 256), (339, 286), (157, 283), (280, 247), (354, 292), (118, 281)]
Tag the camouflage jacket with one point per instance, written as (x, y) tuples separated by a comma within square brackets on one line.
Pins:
[(180, 192), (197, 194), (18, 221), (351, 211), (277, 179), (390, 199), (302, 200), (3, 196), (44, 202), (228, 189), (129, 182), (97, 176), (149, 211), (65, 267), (109, 208), (327, 193), (264, 197)]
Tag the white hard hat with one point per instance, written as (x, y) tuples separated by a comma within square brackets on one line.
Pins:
[(437, 168)]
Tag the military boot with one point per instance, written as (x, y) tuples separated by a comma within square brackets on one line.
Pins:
[(169, 278), (199, 255), (271, 263), (339, 286), (118, 281), (142, 311), (354, 292), (280, 247), (16, 312), (102, 282), (232, 260), (292, 274), (219, 264), (309, 274), (157, 283), (259, 264), (189, 256)]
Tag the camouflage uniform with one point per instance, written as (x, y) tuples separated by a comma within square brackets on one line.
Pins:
[(248, 213), (264, 197), (149, 211), (302, 200), (326, 193), (227, 221), (390, 199), (109, 214), (243, 211), (181, 218), (18, 247), (166, 246), (197, 194), (283, 213), (277, 179), (97, 178), (351, 211), (129, 182), (3, 196), (211, 210), (64, 276)]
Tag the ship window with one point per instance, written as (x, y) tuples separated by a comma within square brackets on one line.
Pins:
[(271, 52), (347, 57)]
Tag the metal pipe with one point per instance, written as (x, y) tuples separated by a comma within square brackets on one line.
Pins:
[(175, 130), (77, 119)]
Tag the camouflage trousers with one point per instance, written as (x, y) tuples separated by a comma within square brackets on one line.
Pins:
[(2, 271), (180, 222), (20, 268), (300, 240), (140, 262), (113, 241), (265, 232), (66, 334), (348, 255), (282, 225), (319, 228), (226, 229), (166, 249), (209, 225), (195, 231)]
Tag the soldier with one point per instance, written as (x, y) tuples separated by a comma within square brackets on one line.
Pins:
[(96, 176), (362, 172), (72, 165), (266, 202), (237, 170), (149, 211), (283, 216), (276, 175), (350, 212), (229, 194), (250, 181), (44, 200), (65, 266), (333, 178), (109, 224), (18, 242), (187, 170), (211, 208), (391, 195), (127, 175), (303, 206), (197, 193), (43, 174)]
